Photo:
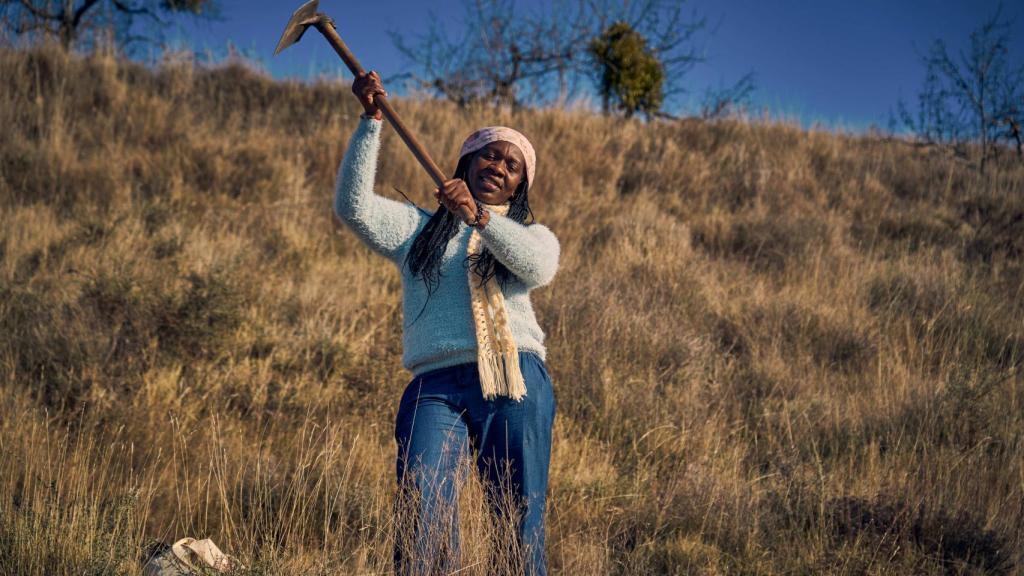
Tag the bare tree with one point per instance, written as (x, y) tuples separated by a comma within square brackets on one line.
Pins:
[(502, 56), (1010, 118), (726, 101), (972, 98), (72, 21), (508, 56), (1013, 130)]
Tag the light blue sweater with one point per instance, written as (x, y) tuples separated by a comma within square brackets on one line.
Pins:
[(444, 334)]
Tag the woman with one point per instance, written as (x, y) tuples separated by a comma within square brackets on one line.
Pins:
[(470, 336)]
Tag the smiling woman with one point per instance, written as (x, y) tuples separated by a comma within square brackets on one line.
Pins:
[(470, 336), (496, 172)]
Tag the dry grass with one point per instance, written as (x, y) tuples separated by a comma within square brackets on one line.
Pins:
[(774, 350)]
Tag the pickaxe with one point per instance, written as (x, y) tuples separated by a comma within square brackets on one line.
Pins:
[(307, 16)]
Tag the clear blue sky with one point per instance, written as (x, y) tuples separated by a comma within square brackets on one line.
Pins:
[(842, 63)]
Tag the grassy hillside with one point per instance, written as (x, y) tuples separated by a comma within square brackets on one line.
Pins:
[(774, 350)]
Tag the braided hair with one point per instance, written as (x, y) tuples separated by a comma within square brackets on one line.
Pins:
[(428, 248)]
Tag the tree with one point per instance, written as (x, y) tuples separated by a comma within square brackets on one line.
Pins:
[(73, 21), (630, 75), (975, 98), (504, 57), (508, 56), (725, 101)]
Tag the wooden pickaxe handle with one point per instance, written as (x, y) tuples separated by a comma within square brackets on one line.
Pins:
[(326, 27)]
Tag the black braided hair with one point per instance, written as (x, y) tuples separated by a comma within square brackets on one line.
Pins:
[(428, 248)]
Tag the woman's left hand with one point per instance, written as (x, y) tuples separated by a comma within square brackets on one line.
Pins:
[(455, 196)]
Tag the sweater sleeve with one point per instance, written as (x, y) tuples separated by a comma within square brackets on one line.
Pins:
[(530, 252), (385, 225)]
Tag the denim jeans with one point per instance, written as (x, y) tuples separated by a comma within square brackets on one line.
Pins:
[(443, 418)]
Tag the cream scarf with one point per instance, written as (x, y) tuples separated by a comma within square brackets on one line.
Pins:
[(497, 357)]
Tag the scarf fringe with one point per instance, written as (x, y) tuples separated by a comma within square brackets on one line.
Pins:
[(501, 376), (487, 365), (515, 386)]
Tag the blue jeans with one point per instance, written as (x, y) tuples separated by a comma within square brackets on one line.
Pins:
[(443, 418)]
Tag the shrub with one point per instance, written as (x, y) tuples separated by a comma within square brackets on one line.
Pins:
[(889, 523), (198, 322), (766, 243), (997, 221)]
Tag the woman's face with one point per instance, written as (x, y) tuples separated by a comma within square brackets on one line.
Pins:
[(495, 172)]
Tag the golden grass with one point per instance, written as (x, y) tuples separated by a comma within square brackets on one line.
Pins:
[(774, 350)]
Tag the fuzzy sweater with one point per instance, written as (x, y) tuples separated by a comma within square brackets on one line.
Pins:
[(444, 333)]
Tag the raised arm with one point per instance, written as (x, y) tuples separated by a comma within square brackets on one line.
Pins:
[(385, 225), (530, 252)]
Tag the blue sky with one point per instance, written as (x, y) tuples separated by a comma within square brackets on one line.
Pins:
[(840, 63)]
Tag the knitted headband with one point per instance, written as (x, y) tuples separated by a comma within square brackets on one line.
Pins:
[(485, 136)]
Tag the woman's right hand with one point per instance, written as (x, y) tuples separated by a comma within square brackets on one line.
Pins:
[(367, 87)]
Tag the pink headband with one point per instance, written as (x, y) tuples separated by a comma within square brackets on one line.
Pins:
[(485, 136)]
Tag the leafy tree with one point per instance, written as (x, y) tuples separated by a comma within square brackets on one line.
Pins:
[(976, 97), (630, 75), (73, 21)]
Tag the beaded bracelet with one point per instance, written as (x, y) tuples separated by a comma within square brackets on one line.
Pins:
[(480, 213)]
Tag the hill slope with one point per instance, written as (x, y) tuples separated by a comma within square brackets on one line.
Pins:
[(773, 350)]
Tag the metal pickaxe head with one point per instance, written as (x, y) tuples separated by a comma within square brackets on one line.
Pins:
[(307, 16), (301, 19)]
